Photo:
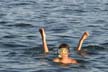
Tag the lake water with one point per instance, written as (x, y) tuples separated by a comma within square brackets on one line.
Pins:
[(64, 21)]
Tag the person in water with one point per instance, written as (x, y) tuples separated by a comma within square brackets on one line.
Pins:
[(64, 51)]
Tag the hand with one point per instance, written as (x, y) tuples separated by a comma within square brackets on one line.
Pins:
[(85, 35), (42, 32)]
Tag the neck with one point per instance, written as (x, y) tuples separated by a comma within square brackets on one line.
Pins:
[(65, 57)]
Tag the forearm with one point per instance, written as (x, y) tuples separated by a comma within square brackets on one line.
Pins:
[(45, 46), (80, 44)]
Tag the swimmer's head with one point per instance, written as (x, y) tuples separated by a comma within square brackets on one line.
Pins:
[(63, 50)]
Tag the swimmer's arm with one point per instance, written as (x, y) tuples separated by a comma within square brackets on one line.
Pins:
[(56, 60), (44, 43), (73, 61), (84, 36)]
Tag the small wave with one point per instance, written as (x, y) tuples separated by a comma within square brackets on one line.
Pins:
[(106, 3), (82, 61), (11, 54), (21, 25), (17, 4), (35, 51), (30, 37), (79, 10), (91, 50), (94, 47), (23, 3), (105, 45), (10, 36), (43, 71), (97, 9), (2, 15), (93, 26), (59, 30), (3, 22), (51, 70), (100, 21), (13, 45)]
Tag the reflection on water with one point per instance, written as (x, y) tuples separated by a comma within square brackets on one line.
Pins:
[(64, 22)]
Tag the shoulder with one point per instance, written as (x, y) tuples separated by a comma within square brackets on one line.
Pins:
[(73, 61), (56, 60)]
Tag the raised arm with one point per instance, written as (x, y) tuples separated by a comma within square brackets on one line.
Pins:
[(44, 43), (84, 36)]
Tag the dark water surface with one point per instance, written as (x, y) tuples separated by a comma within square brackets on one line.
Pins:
[(64, 21)]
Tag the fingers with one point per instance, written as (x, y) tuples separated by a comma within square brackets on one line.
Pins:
[(42, 32), (86, 33)]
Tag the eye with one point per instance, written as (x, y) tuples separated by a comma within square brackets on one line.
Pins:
[(63, 50)]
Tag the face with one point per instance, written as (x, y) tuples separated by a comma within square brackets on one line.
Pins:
[(63, 52)]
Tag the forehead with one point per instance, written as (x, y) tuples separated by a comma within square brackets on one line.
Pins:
[(63, 49)]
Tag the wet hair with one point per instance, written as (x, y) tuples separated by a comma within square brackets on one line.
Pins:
[(64, 45)]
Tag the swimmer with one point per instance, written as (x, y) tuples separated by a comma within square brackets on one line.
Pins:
[(64, 51)]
